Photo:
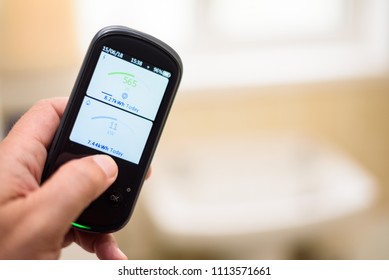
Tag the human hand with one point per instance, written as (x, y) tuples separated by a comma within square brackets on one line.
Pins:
[(34, 221)]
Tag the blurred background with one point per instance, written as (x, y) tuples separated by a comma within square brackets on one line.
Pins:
[(277, 146)]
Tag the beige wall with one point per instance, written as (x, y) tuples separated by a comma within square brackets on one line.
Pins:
[(35, 35)]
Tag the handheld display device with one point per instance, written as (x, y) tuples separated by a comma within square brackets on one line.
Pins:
[(118, 106)]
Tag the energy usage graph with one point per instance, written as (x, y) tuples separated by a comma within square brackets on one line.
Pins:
[(127, 86), (110, 130)]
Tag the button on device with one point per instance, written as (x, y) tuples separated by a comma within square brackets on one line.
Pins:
[(114, 198)]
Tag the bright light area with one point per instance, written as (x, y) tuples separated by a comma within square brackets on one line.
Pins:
[(256, 42), (248, 20)]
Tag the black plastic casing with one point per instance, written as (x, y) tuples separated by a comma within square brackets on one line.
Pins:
[(112, 210)]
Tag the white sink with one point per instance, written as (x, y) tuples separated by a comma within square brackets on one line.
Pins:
[(225, 187)]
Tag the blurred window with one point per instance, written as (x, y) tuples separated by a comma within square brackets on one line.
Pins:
[(271, 20), (255, 42)]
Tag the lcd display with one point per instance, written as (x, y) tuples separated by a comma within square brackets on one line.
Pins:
[(120, 106)]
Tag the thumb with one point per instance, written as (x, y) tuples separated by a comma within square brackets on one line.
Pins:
[(72, 188)]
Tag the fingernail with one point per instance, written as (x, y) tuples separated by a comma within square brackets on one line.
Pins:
[(107, 164)]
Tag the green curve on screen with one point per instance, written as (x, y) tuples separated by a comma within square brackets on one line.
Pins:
[(121, 73)]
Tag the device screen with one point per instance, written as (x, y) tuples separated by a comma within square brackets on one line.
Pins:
[(120, 105)]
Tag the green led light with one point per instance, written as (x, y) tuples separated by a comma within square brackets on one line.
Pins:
[(80, 226)]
